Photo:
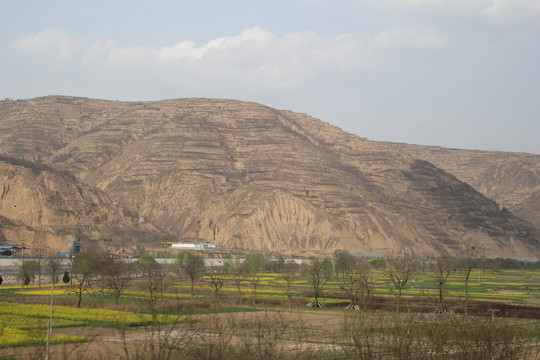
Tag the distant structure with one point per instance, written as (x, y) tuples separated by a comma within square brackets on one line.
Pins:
[(76, 246), (9, 251), (193, 246)]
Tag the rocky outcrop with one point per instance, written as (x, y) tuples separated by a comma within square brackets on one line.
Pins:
[(246, 175)]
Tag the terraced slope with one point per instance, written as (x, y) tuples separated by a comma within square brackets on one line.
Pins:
[(41, 208), (246, 175), (511, 179)]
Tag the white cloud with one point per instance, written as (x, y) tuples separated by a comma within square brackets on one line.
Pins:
[(496, 12), (410, 39), (505, 12), (256, 58), (183, 51), (95, 50), (434, 4), (55, 43)]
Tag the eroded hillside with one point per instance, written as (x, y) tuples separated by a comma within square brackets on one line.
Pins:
[(246, 175), (511, 179), (41, 208)]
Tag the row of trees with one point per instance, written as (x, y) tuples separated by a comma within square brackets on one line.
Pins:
[(353, 274), (84, 272), (110, 276), (32, 269), (354, 277)]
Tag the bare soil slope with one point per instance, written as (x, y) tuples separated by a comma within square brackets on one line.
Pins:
[(511, 179), (246, 175), (40, 207)]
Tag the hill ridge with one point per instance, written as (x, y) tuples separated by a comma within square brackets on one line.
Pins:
[(246, 175)]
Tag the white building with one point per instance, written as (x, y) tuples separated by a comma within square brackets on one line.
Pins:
[(192, 246), (188, 246)]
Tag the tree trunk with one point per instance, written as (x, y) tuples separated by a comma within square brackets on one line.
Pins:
[(254, 295), (441, 295), (467, 293)]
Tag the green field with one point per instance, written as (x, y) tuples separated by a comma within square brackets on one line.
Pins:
[(24, 313)]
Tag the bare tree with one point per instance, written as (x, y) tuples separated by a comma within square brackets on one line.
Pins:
[(155, 275), (118, 277), (192, 265), (71, 257), (40, 239), (400, 270), (83, 270), (349, 283), (102, 266), (237, 271), (252, 268), (40, 255), (344, 261), (348, 278), (444, 265), (215, 278), (355, 281), (318, 272), (53, 264), (288, 273), (366, 277), (468, 253), (268, 337)]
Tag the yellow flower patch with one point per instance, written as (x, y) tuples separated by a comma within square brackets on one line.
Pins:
[(27, 323), (10, 337), (44, 292), (68, 316), (43, 286)]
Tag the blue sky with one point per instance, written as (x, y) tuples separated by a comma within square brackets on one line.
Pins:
[(454, 73)]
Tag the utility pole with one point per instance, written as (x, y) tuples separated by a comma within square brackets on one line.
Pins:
[(49, 324)]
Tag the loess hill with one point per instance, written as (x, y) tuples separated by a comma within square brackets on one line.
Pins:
[(43, 208), (511, 179), (244, 175)]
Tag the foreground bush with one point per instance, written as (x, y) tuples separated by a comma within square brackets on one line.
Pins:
[(438, 336)]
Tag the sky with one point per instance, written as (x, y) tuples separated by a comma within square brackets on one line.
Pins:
[(452, 73)]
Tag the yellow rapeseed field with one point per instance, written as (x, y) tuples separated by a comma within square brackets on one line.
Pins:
[(24, 325)]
